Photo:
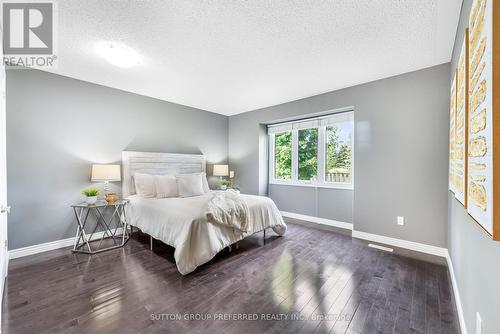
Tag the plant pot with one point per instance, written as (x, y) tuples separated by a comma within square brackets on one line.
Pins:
[(223, 187), (91, 200)]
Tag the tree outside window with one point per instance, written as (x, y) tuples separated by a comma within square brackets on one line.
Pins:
[(313, 151), (338, 155), (283, 156), (308, 154)]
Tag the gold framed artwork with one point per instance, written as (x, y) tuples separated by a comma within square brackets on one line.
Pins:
[(453, 111), (461, 125), (483, 194)]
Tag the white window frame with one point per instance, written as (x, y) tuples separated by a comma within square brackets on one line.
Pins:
[(272, 160), (320, 179)]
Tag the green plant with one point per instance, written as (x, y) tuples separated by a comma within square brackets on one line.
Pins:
[(283, 156), (338, 152), (90, 192), (307, 154), (225, 182)]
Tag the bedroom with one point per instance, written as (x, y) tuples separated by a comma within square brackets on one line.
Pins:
[(260, 167)]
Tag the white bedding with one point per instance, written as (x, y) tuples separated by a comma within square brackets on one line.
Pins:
[(182, 223)]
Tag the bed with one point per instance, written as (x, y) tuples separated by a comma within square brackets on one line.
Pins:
[(182, 222)]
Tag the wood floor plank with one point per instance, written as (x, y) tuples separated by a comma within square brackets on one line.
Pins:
[(306, 275), (368, 297), (418, 314), (362, 273), (432, 312), (375, 320), (402, 323), (449, 323)]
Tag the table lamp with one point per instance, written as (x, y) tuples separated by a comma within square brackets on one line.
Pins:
[(220, 171), (106, 174)]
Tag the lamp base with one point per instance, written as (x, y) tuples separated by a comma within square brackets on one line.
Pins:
[(106, 187)]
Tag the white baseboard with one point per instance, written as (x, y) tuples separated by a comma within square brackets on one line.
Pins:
[(458, 301), (423, 248), (48, 246), (317, 220), (414, 246)]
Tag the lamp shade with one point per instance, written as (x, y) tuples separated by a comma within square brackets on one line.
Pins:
[(105, 173), (221, 170)]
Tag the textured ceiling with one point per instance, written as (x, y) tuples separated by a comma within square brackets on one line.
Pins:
[(232, 56)]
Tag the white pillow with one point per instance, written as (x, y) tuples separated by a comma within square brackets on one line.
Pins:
[(144, 185), (204, 180), (166, 186), (190, 185)]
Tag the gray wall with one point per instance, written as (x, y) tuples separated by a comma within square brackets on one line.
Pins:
[(327, 203), (401, 155), (475, 256), (57, 127)]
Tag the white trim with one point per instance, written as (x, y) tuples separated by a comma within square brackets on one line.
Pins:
[(317, 115), (415, 246), (271, 154), (48, 246), (318, 220), (377, 246), (327, 185), (321, 154), (295, 155), (458, 301)]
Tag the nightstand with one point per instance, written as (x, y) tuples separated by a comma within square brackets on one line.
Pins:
[(114, 229)]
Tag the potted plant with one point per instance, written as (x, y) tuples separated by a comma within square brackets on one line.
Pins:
[(224, 184), (90, 195)]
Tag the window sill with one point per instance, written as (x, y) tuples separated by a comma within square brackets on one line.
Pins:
[(311, 185)]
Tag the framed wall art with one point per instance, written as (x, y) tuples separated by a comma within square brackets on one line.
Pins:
[(484, 116), (461, 125), (453, 111)]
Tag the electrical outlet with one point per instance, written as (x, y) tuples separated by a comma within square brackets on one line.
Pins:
[(401, 220), (479, 323)]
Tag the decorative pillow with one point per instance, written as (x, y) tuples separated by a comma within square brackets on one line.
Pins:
[(144, 185), (190, 185), (166, 186), (204, 180)]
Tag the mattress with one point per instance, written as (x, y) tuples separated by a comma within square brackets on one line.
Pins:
[(182, 224)]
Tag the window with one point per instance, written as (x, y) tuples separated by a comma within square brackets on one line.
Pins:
[(313, 152), (338, 153), (283, 156), (308, 154)]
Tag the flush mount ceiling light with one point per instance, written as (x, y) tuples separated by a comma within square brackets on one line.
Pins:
[(119, 54)]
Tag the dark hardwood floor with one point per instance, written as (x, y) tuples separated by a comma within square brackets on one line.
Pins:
[(317, 281)]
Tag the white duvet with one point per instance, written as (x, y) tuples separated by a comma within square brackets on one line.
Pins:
[(182, 224)]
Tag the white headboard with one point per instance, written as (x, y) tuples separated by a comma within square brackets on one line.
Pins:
[(157, 163)]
